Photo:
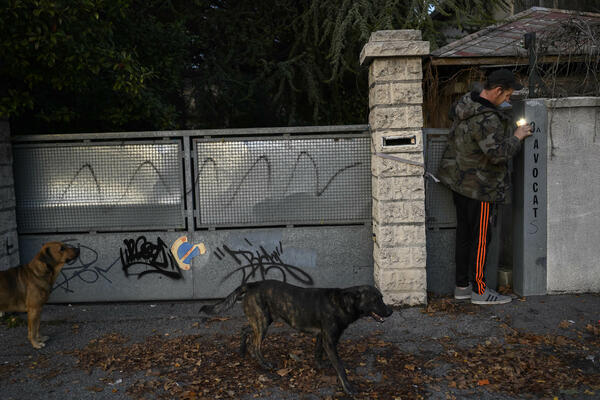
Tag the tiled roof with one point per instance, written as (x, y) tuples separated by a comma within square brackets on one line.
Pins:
[(506, 39)]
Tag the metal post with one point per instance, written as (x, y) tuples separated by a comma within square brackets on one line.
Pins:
[(530, 46)]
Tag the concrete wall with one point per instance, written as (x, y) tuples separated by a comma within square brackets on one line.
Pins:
[(121, 266), (9, 241), (573, 195)]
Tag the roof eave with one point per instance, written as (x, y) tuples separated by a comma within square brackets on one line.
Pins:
[(504, 60)]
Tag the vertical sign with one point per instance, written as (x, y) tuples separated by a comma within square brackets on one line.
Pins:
[(530, 206)]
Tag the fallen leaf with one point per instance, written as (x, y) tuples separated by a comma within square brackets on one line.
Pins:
[(592, 329), (218, 319), (329, 379), (564, 324), (189, 395), (283, 371), (153, 372)]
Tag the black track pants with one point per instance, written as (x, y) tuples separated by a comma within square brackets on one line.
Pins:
[(472, 240)]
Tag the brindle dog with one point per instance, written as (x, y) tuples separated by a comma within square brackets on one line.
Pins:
[(26, 288), (324, 312)]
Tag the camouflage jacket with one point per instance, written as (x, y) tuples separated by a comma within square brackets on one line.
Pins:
[(480, 144)]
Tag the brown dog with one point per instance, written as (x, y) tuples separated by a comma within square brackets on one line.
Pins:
[(26, 288)]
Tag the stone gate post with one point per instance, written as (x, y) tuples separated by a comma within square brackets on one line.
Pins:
[(396, 121)]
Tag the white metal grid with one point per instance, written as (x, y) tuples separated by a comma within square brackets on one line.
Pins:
[(439, 205), (91, 186), (266, 181)]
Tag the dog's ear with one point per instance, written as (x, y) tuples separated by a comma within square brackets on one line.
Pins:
[(46, 257)]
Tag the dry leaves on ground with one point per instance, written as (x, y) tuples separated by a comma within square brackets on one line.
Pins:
[(449, 306), (594, 330), (6, 370), (196, 367), (201, 367), (524, 364)]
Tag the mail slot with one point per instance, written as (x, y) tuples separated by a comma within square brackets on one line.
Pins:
[(399, 141)]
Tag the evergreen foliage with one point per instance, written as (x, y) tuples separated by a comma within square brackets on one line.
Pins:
[(90, 65), (110, 65)]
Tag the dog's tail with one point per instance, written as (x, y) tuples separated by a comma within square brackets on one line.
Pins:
[(226, 303)]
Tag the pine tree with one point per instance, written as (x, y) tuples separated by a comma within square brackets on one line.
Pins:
[(100, 65)]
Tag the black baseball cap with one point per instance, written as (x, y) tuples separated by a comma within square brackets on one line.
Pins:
[(503, 77)]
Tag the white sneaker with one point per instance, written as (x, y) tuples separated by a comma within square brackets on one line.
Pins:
[(489, 297)]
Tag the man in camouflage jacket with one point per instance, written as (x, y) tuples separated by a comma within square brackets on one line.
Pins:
[(475, 167)]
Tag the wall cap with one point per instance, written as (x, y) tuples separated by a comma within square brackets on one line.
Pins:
[(399, 43), (571, 102), (400, 34)]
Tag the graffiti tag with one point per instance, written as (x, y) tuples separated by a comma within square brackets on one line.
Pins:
[(156, 258), (83, 268), (254, 264)]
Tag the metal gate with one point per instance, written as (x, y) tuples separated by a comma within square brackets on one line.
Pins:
[(282, 203)]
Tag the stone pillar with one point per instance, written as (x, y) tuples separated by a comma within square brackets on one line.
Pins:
[(9, 240), (396, 121)]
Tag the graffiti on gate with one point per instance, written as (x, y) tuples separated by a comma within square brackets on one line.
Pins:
[(70, 187), (152, 258), (257, 263), (83, 269)]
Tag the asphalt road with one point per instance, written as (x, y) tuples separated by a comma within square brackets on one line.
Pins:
[(434, 337)]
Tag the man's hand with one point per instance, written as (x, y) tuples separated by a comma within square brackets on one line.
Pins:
[(523, 131)]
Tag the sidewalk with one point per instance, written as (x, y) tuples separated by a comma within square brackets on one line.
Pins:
[(539, 347)]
